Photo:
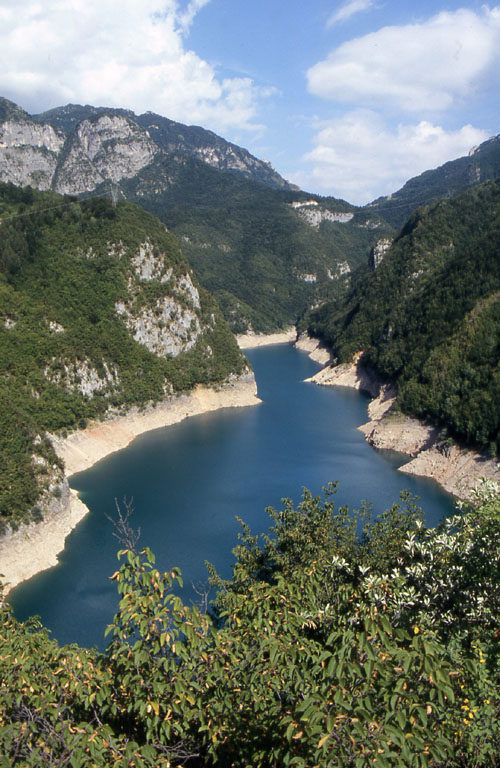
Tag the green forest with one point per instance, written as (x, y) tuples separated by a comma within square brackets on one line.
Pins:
[(341, 640), (428, 317), (64, 265), (247, 245)]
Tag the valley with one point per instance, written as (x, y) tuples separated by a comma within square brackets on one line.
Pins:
[(132, 249)]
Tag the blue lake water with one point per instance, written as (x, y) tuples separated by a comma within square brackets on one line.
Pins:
[(189, 482)]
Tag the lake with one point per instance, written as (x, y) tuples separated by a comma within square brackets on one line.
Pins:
[(190, 481)]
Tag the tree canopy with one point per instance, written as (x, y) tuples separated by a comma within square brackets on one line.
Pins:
[(340, 640)]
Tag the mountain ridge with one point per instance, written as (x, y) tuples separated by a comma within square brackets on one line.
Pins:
[(267, 249), (482, 163), (68, 136), (427, 316)]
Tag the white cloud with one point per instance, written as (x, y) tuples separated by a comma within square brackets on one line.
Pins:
[(187, 18), (416, 67), (348, 9), (357, 157), (126, 53)]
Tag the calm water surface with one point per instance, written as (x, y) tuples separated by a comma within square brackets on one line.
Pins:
[(190, 481)]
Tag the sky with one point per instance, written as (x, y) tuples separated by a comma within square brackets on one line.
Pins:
[(349, 98)]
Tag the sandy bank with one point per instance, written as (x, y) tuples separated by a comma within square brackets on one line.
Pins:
[(33, 548), (250, 340), (457, 470)]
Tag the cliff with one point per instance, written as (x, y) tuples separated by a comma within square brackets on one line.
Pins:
[(99, 314), (74, 149)]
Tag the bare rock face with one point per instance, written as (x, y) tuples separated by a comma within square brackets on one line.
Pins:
[(314, 214), (109, 148), (25, 133), (166, 328), (231, 158), (28, 153), (170, 324), (73, 149), (82, 376), (379, 250)]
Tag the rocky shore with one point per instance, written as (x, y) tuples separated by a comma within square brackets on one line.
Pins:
[(34, 548), (251, 340), (457, 470)]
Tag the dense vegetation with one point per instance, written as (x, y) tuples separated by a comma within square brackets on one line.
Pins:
[(449, 180), (263, 261), (429, 316), (64, 265), (245, 242), (328, 647)]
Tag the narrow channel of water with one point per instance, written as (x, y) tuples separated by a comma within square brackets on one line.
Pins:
[(189, 482)]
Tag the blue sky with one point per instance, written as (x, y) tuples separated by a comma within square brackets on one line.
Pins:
[(343, 98)]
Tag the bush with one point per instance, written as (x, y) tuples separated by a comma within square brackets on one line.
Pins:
[(319, 653)]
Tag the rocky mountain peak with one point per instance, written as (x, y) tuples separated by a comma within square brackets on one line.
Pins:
[(74, 149)]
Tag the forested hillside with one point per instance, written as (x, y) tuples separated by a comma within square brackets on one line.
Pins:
[(99, 311), (325, 649), (429, 316), (266, 254), (267, 250), (451, 179)]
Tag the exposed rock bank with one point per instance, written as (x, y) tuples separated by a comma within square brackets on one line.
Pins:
[(251, 340), (34, 548), (316, 350), (456, 469), (84, 448)]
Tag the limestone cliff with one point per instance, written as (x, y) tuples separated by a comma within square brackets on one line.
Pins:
[(109, 148), (29, 152), (74, 149), (314, 213)]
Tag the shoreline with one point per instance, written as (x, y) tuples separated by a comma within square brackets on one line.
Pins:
[(35, 547), (84, 448), (252, 340), (457, 470)]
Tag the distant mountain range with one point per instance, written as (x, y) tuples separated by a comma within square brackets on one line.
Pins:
[(74, 149), (481, 164), (266, 249)]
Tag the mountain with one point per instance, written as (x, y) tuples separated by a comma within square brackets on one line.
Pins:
[(449, 180), (75, 148), (266, 254), (99, 312), (428, 316), (267, 250)]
